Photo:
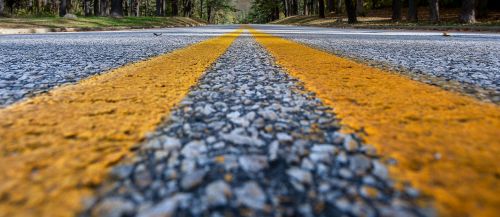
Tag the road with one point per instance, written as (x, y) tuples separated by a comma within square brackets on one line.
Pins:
[(256, 120)]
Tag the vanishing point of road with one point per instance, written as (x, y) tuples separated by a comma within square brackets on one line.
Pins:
[(253, 120)]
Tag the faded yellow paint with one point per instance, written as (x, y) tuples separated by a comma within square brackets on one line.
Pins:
[(447, 145), (55, 148)]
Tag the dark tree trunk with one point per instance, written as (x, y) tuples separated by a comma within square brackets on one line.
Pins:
[(374, 4), (63, 8), (330, 5), (434, 11), (351, 11), (96, 7), (396, 10), (209, 12), (481, 8), (201, 9), (158, 5), (412, 10), (175, 8), (339, 6), (285, 8), (305, 9), (103, 7), (1, 8), (295, 7), (137, 8), (321, 8), (360, 10), (467, 14), (86, 8), (117, 8)]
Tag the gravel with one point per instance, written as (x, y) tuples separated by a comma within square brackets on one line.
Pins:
[(248, 140), (467, 58), (31, 64)]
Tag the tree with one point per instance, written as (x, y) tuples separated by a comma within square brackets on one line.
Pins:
[(467, 14), (116, 8), (339, 6), (434, 11), (103, 7), (321, 8), (86, 8), (330, 5), (481, 8), (159, 7), (412, 10), (96, 7), (351, 11), (396, 10), (360, 8), (175, 8), (1, 8), (63, 8)]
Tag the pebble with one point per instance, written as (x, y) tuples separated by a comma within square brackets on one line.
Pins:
[(251, 195), (217, 193), (193, 179)]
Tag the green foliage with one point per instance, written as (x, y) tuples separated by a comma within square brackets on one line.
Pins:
[(262, 11)]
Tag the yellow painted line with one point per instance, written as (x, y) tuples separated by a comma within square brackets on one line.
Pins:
[(55, 148), (447, 145)]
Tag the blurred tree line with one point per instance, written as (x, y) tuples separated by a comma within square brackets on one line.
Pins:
[(213, 11), (264, 11)]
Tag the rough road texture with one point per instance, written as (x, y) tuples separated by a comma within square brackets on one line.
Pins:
[(31, 64), (249, 141), (57, 147), (470, 59)]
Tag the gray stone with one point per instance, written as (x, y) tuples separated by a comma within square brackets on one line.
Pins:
[(113, 207), (301, 175), (217, 193), (192, 179), (194, 149), (251, 195), (253, 163)]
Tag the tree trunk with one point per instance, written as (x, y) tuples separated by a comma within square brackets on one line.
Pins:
[(138, 8), (467, 14), (321, 8), (285, 8), (295, 7), (339, 6), (374, 4), (209, 12), (1, 8), (175, 8), (481, 8), (360, 10), (104, 7), (62, 8), (201, 9), (306, 9), (116, 8), (86, 7), (412, 10), (434, 11), (330, 5), (351, 11), (96, 7), (158, 6), (396, 10)]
